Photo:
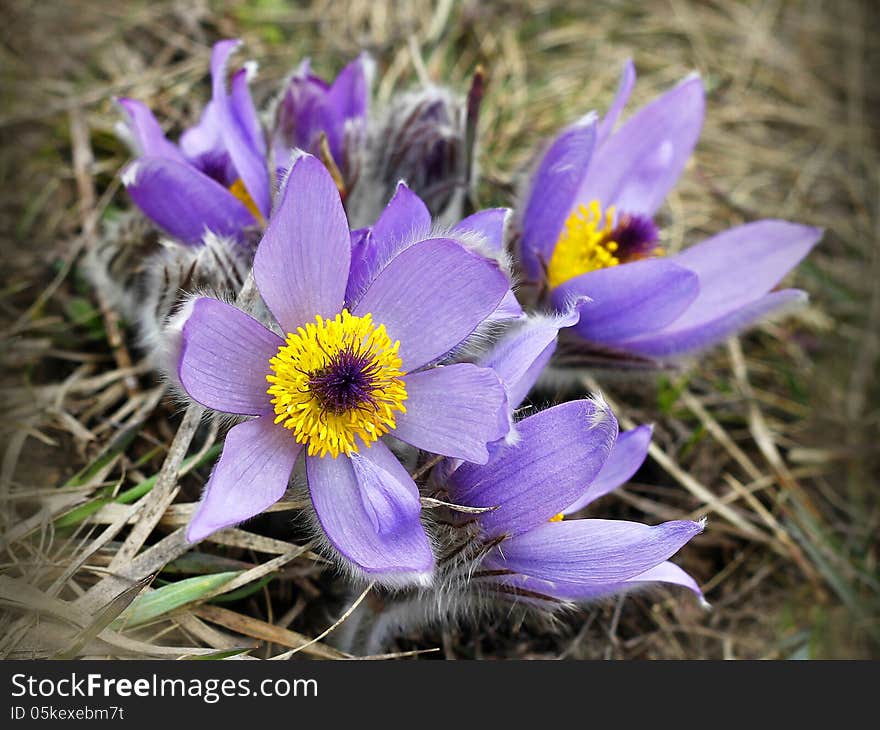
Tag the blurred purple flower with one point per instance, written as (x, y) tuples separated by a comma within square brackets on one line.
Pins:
[(310, 107), (353, 364), (217, 178), (586, 230), (566, 457)]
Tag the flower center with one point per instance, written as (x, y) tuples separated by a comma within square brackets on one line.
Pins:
[(592, 240), (241, 192), (337, 380)]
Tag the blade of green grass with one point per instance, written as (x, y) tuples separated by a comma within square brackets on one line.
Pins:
[(81, 512), (150, 606), (244, 591), (103, 460)]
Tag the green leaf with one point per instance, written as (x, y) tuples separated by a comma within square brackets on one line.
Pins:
[(244, 591), (198, 563), (78, 514), (92, 470), (150, 606)]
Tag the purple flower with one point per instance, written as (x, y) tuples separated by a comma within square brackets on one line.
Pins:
[(587, 230), (309, 107), (566, 457), (353, 364), (217, 178)]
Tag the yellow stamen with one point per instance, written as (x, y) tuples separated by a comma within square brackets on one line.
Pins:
[(241, 192), (584, 245), (327, 158), (333, 353), (557, 518)]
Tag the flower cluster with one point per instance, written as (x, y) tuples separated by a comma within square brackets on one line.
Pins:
[(210, 195), (382, 369)]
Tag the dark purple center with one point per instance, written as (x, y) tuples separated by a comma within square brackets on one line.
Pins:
[(217, 165), (346, 382), (636, 237)]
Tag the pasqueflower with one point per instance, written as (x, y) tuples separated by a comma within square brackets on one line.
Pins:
[(311, 109), (350, 365), (587, 231), (566, 457), (217, 177)]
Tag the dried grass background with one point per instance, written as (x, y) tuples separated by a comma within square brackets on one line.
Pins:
[(773, 436)]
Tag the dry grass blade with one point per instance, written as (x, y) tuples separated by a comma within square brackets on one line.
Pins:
[(267, 632), (147, 562), (161, 496), (107, 616), (702, 493)]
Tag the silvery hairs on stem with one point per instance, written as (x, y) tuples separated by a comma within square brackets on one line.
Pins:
[(147, 278)]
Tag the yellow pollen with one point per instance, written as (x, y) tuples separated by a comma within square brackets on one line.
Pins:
[(241, 192), (311, 384), (584, 245), (557, 518)]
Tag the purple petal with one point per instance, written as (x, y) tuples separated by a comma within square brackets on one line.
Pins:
[(311, 106), (203, 146), (348, 98), (349, 94), (391, 504), (301, 265), (665, 572), (431, 297), (489, 224), (674, 341), (668, 572), (592, 553), (559, 452), (627, 455), (404, 219), (252, 475), (639, 164), (224, 358), (627, 82), (249, 163), (741, 264), (629, 300), (245, 112), (554, 192), (523, 353), (297, 120), (338, 493), (508, 309), (203, 136), (148, 135), (362, 270), (183, 201), (453, 410)]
